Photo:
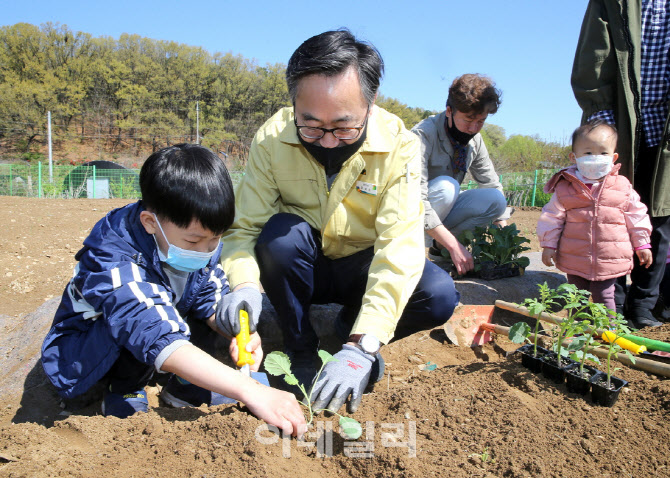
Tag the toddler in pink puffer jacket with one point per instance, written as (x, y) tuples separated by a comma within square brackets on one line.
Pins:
[(595, 221)]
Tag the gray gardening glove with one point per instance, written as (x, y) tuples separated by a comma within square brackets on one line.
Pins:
[(348, 376), (228, 310)]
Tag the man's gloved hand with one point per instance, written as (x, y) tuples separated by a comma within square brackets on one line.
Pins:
[(228, 310), (348, 376)]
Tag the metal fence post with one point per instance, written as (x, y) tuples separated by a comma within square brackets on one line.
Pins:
[(534, 189), (11, 183), (39, 179), (94, 182)]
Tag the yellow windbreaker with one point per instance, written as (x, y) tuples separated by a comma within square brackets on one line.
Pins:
[(374, 201)]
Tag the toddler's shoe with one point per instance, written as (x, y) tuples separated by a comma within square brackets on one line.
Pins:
[(181, 393), (124, 405)]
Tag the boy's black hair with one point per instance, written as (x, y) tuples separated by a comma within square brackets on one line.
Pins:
[(586, 128), (186, 182)]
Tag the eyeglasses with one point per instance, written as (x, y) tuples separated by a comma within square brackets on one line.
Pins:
[(314, 132)]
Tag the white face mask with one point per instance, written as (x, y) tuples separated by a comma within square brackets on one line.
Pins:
[(595, 166)]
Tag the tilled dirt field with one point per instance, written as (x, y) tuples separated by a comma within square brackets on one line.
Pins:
[(479, 413)]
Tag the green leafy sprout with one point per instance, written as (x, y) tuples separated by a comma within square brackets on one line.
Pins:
[(484, 456), (278, 364), (500, 245), (584, 317), (520, 331), (577, 321), (619, 327), (580, 346)]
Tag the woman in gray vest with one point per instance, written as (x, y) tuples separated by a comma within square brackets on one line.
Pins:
[(451, 146)]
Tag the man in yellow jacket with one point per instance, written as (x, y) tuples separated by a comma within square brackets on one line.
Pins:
[(329, 211)]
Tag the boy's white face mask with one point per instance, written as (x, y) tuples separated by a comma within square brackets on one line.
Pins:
[(595, 166)]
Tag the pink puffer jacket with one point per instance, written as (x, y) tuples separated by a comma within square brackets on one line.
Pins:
[(589, 228)]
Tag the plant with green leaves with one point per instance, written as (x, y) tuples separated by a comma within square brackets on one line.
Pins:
[(619, 327), (484, 456), (578, 307), (520, 331), (278, 364), (580, 346), (499, 245)]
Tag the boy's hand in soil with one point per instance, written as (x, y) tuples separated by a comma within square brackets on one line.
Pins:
[(274, 406), (254, 346), (644, 255), (548, 256), (277, 408)]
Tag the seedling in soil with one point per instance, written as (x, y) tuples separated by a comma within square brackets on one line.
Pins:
[(485, 456), (619, 327), (520, 331), (278, 364), (577, 305), (500, 245), (580, 346)]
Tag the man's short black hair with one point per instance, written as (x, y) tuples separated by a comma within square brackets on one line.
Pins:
[(186, 182), (331, 53)]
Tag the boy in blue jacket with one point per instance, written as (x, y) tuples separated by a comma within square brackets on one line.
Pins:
[(144, 296)]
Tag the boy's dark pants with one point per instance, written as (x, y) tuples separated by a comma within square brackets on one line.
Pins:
[(640, 298), (296, 274), (129, 375)]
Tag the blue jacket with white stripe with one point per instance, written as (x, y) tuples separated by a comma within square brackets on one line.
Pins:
[(119, 297)]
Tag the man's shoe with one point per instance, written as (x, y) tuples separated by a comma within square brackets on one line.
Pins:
[(180, 393), (642, 322), (124, 405)]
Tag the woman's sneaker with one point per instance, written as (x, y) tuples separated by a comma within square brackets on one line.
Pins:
[(181, 393), (124, 405)]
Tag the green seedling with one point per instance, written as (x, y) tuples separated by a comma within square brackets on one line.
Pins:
[(500, 245), (278, 364), (599, 318), (577, 304), (619, 327), (485, 456), (520, 331)]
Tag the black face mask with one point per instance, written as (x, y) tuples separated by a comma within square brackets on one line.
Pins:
[(332, 159), (455, 133)]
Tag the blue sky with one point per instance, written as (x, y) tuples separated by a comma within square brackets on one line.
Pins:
[(526, 46)]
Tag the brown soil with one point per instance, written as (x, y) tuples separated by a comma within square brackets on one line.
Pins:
[(479, 413)]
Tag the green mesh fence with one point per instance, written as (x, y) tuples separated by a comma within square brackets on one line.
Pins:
[(523, 189), (34, 180)]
